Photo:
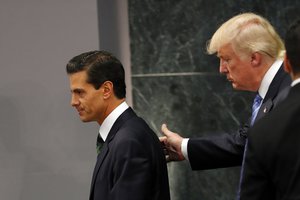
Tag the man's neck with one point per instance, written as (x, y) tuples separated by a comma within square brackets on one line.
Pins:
[(111, 106)]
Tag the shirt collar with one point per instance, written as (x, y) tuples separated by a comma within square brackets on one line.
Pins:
[(269, 76), (296, 81), (110, 120)]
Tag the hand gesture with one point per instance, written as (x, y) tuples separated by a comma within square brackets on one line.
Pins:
[(171, 143)]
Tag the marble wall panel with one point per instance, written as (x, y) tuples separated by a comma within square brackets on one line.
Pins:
[(194, 106), (175, 82), (171, 35)]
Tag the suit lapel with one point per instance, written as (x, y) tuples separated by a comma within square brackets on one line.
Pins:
[(265, 108), (273, 91), (275, 84), (99, 162), (127, 114)]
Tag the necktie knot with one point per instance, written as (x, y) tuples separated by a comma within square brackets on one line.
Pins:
[(257, 99), (255, 107), (99, 144)]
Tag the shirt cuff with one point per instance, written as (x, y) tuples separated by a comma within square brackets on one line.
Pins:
[(184, 145)]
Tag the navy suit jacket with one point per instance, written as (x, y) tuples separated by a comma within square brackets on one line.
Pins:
[(131, 164), (272, 161), (226, 150)]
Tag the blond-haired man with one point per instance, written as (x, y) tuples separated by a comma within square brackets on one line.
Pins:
[(251, 57)]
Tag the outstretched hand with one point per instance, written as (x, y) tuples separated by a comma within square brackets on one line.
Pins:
[(171, 143)]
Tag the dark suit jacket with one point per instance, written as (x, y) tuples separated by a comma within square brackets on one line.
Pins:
[(131, 164), (272, 161), (226, 150)]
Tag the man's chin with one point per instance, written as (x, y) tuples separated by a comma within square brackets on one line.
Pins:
[(84, 119), (235, 86)]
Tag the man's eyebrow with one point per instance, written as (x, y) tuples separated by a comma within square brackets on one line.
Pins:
[(76, 90)]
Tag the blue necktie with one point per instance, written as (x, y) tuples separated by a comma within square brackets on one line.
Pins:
[(255, 107)]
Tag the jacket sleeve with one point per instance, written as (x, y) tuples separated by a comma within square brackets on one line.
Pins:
[(225, 150)]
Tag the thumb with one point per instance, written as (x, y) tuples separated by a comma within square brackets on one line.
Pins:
[(165, 130)]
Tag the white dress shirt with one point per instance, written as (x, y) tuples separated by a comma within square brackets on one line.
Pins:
[(296, 81), (110, 120)]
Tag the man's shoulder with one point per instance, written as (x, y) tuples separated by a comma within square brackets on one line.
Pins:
[(135, 125), (268, 126)]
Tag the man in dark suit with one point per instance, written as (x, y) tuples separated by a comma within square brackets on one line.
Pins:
[(131, 163), (272, 159), (251, 57)]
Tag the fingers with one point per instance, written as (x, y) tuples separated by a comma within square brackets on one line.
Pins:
[(162, 139), (168, 158), (171, 143), (172, 155)]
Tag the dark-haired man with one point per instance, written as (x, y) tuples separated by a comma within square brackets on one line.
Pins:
[(131, 163)]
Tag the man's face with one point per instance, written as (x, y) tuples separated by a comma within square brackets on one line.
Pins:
[(86, 99), (239, 72)]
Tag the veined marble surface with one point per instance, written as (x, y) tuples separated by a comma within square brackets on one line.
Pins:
[(175, 82)]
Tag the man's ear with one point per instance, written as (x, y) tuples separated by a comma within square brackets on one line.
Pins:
[(256, 59), (107, 89), (287, 64)]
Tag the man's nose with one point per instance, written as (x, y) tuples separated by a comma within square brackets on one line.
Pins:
[(74, 101), (223, 67)]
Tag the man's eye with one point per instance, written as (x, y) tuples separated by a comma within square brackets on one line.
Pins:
[(81, 93)]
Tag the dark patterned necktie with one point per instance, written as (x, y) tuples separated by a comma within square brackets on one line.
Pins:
[(99, 144)]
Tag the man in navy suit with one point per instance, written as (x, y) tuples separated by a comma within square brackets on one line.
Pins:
[(251, 57), (131, 163), (272, 159)]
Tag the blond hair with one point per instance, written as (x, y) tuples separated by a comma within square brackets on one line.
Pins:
[(247, 33)]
